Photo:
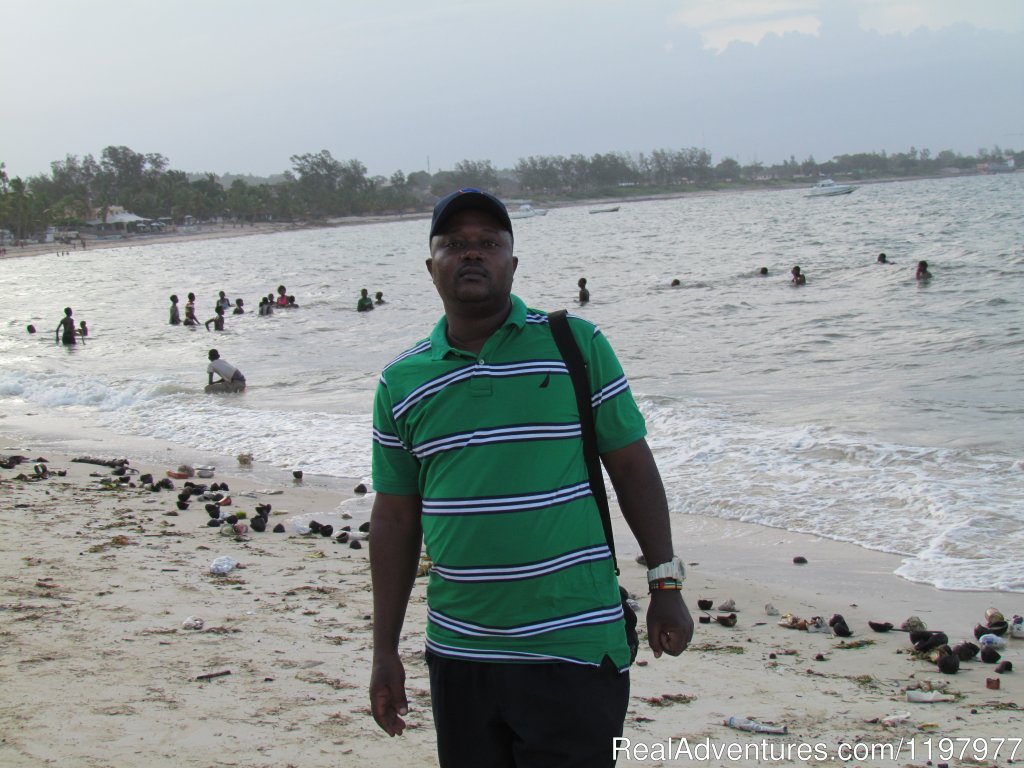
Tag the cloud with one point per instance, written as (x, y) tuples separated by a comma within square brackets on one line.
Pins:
[(748, 21), (721, 22)]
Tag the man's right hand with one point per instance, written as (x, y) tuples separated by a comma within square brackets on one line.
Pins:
[(387, 694)]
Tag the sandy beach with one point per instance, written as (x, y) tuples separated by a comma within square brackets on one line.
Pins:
[(97, 667)]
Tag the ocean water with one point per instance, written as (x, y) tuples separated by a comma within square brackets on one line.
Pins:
[(865, 406)]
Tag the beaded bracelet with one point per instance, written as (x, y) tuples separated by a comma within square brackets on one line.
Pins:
[(664, 584)]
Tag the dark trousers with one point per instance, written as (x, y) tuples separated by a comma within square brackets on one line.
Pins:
[(526, 715)]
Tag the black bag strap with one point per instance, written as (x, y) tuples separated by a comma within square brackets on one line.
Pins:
[(573, 358)]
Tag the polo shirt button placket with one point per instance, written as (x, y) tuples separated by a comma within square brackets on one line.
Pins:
[(480, 386)]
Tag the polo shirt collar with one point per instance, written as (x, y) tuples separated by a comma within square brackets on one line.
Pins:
[(439, 346)]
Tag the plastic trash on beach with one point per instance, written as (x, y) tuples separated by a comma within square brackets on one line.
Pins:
[(817, 624), (930, 685), (357, 507), (992, 641), (746, 724), (223, 565), (928, 697), (895, 719), (192, 622), (1017, 627)]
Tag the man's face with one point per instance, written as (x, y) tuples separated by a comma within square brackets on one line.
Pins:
[(471, 263)]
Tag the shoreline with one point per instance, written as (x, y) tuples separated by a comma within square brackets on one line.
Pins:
[(98, 583), (215, 231)]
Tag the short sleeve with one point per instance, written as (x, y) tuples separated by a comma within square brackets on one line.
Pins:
[(395, 470)]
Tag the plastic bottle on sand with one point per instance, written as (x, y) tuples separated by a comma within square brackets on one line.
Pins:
[(223, 565)]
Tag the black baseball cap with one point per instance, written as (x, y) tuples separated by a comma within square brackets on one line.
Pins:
[(466, 199)]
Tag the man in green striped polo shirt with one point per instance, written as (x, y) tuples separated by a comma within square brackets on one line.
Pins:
[(477, 451)]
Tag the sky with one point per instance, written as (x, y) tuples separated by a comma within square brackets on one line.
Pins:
[(240, 86)]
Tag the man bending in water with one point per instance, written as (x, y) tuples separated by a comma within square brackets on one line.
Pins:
[(231, 379)]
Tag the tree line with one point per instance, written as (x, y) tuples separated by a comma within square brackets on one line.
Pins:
[(318, 186)]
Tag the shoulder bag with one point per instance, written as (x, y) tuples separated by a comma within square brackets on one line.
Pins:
[(573, 358)]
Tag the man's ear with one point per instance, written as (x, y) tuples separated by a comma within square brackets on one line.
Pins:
[(515, 264), (430, 266)]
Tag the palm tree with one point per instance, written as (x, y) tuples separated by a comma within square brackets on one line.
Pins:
[(20, 202)]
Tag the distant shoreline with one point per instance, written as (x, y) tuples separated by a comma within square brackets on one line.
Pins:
[(218, 231)]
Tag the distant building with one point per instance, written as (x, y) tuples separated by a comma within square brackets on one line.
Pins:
[(117, 219), (994, 166)]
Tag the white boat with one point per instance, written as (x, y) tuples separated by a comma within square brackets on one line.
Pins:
[(828, 188), (527, 211), (613, 209)]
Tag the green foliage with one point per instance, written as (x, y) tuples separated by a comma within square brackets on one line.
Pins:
[(319, 187)]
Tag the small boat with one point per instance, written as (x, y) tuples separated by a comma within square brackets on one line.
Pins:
[(527, 211), (613, 209), (828, 188)]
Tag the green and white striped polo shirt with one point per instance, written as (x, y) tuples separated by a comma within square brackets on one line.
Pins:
[(491, 444)]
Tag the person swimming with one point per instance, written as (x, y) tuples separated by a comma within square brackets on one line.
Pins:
[(224, 302), (238, 307), (882, 259), (799, 278), (584, 296), (763, 271), (175, 315), (922, 271)]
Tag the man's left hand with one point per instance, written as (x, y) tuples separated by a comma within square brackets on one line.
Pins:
[(669, 624)]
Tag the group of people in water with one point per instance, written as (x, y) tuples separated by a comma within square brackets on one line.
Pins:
[(282, 301), (66, 333), (921, 273), (223, 304), (365, 303), (228, 377), (267, 305), (799, 278)]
